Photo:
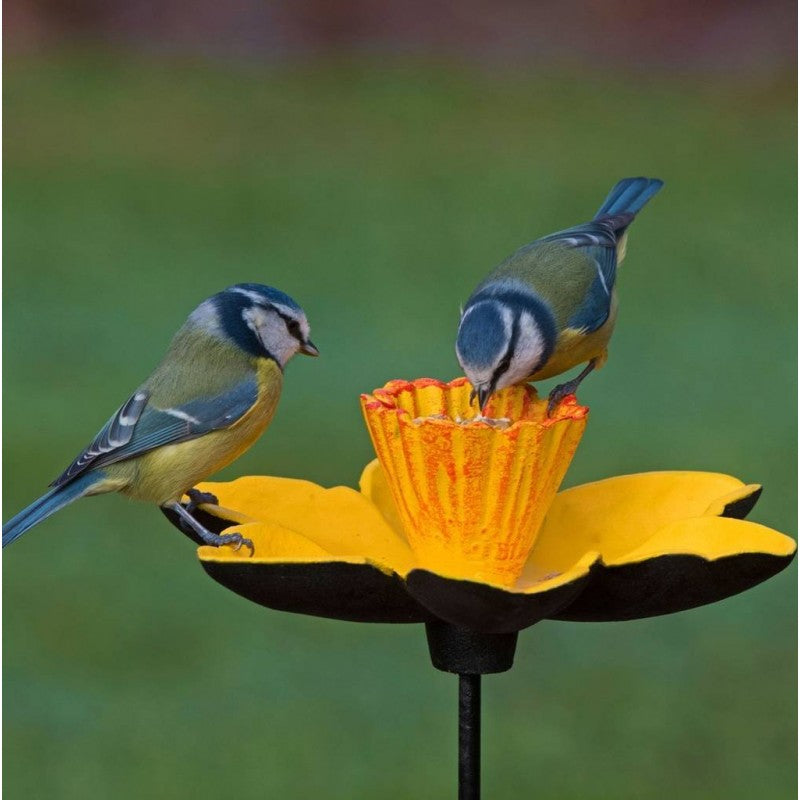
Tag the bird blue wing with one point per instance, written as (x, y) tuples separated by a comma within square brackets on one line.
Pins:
[(595, 306), (139, 426), (601, 231), (116, 433), (597, 240)]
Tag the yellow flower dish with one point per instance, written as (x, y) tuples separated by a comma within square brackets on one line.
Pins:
[(471, 491), (435, 535)]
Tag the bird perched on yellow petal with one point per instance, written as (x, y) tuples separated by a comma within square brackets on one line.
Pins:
[(551, 305), (209, 399)]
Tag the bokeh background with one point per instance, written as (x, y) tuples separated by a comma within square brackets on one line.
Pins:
[(374, 160)]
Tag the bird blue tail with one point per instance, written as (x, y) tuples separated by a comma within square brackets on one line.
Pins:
[(48, 504), (629, 196)]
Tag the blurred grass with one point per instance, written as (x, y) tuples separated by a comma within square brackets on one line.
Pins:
[(378, 193)]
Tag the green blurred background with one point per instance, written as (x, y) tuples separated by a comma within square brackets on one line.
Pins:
[(377, 189)]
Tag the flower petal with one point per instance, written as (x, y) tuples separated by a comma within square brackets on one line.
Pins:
[(340, 520), (375, 488), (683, 565), (738, 503), (230, 515), (336, 589), (290, 572), (271, 542), (710, 538), (495, 609), (615, 515)]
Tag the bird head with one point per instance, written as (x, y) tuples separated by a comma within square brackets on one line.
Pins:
[(263, 321), (503, 338)]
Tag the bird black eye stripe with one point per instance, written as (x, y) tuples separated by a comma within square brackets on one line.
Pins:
[(294, 328), (505, 362), (292, 325)]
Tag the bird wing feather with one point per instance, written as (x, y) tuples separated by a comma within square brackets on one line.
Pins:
[(139, 426), (598, 240)]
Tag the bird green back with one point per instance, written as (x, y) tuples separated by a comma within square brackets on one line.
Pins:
[(197, 364), (559, 274)]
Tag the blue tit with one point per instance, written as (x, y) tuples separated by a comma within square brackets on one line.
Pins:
[(209, 399), (551, 305)]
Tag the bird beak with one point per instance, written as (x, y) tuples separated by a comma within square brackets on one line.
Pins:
[(483, 393), (308, 348)]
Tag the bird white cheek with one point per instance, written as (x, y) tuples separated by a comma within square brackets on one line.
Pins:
[(518, 372), (271, 331), (528, 352), (277, 340)]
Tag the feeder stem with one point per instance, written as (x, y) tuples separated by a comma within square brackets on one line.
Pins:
[(469, 737)]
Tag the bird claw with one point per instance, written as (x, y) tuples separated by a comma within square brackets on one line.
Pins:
[(198, 498), (237, 541), (191, 525), (558, 394)]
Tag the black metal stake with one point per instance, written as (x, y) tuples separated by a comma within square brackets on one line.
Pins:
[(469, 654), (469, 737)]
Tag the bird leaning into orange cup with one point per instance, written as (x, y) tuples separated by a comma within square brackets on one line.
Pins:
[(551, 305)]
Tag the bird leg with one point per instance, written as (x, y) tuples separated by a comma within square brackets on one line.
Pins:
[(198, 498), (563, 389), (213, 539)]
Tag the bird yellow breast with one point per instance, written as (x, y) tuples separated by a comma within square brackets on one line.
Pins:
[(248, 428), (167, 472), (575, 347)]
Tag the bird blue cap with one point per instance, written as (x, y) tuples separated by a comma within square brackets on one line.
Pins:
[(267, 293), (482, 336)]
